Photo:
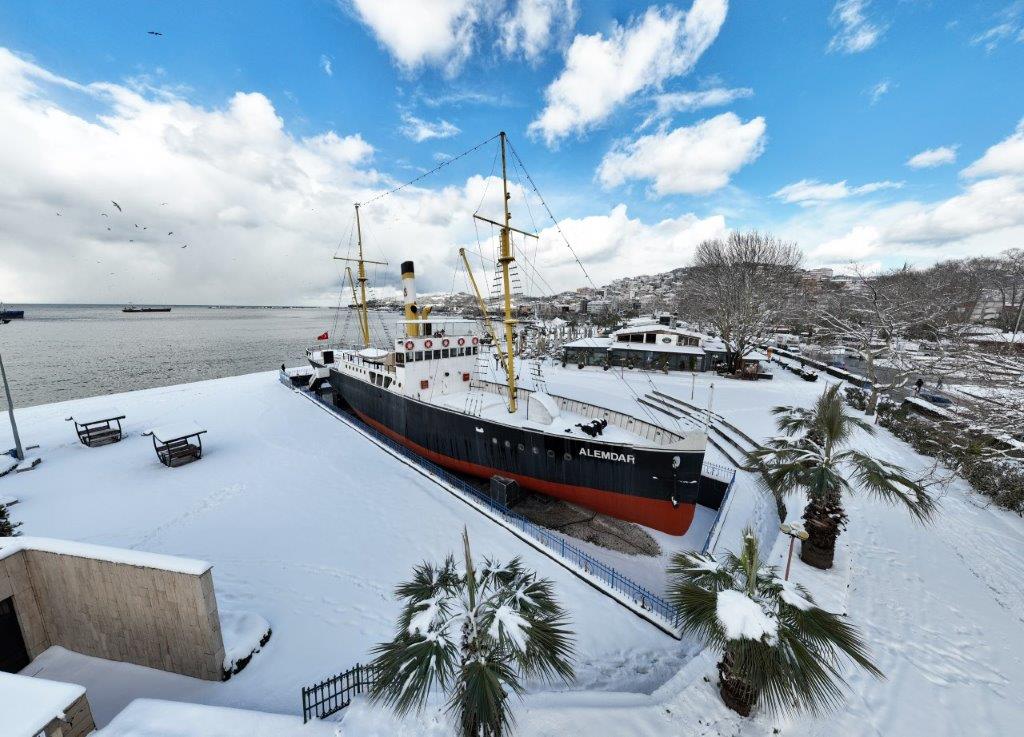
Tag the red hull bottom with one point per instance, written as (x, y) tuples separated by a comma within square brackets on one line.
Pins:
[(659, 515)]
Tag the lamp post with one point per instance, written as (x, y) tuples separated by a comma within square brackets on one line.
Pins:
[(794, 532), (10, 413)]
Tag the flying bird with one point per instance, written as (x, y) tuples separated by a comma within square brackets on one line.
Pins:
[(58, 214), (170, 232), (117, 206), (185, 246), (108, 227), (154, 33), (162, 204), (104, 214)]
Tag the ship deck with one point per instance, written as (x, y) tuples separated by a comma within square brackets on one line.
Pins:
[(493, 407)]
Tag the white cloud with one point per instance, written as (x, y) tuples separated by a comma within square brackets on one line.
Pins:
[(325, 64), (669, 103), (984, 218), (855, 31), (933, 157), (1005, 157), (812, 192), (444, 33), (531, 26), (1009, 26), (687, 160), (260, 208), (602, 72), (420, 130), (615, 245), (880, 90)]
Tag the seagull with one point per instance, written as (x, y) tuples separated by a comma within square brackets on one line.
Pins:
[(58, 214), (108, 227), (171, 232), (136, 225), (185, 246), (104, 214), (154, 33), (117, 206), (162, 204)]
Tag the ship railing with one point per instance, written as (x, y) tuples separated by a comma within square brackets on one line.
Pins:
[(646, 600), (641, 428)]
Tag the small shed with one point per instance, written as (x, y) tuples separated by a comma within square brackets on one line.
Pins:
[(100, 426), (178, 444)]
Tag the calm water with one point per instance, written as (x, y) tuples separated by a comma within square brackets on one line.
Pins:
[(61, 352)]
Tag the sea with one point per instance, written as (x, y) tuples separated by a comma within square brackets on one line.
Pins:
[(60, 352)]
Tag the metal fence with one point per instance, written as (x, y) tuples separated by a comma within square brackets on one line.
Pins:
[(335, 693)]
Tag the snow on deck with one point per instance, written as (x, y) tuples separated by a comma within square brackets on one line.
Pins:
[(306, 523)]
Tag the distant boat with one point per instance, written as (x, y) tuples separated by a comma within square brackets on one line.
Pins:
[(7, 315), (133, 308)]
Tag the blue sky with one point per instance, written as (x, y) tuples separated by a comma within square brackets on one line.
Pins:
[(820, 106)]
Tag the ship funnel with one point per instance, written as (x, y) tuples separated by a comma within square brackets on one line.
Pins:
[(409, 295)]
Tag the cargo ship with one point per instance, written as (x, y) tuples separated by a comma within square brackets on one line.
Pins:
[(433, 390), (133, 308)]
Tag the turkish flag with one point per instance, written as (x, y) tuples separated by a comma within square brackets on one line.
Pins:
[(322, 336)]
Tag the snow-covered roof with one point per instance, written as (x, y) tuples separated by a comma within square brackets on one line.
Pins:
[(176, 430), (155, 718), (608, 343), (97, 414), (11, 545), (28, 704), (373, 353), (654, 327)]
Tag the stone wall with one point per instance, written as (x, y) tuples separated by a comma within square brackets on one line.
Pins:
[(149, 616)]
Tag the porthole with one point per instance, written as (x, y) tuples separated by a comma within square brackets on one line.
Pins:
[(536, 450), (568, 456), (494, 441), (551, 454), (508, 444), (521, 447)]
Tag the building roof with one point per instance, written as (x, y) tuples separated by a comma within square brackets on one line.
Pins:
[(654, 327), (11, 545), (29, 704), (609, 344)]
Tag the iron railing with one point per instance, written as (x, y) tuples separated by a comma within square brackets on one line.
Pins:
[(335, 693)]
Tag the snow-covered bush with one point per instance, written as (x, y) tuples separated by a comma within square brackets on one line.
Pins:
[(779, 650), (856, 398), (473, 633)]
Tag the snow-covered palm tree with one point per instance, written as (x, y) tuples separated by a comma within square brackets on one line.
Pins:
[(813, 457), (473, 633), (779, 650)]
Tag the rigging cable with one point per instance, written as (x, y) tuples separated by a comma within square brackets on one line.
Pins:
[(550, 214)]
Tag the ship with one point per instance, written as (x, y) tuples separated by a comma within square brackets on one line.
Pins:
[(449, 392), (133, 308)]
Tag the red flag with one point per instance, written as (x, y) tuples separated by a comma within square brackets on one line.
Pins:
[(322, 336)]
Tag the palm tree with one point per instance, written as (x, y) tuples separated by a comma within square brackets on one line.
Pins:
[(779, 649), (475, 634), (812, 457)]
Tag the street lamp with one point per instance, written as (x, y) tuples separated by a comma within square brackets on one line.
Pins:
[(18, 450), (794, 532)]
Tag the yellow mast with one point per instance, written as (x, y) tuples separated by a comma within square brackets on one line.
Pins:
[(483, 305), (364, 315), (505, 259)]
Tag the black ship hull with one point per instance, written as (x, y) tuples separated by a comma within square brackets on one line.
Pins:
[(651, 486)]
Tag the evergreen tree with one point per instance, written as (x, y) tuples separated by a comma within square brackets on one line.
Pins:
[(474, 634), (779, 650), (7, 528), (812, 457)]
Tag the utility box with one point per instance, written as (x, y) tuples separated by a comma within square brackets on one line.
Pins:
[(505, 491)]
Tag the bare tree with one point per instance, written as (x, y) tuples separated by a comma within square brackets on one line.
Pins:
[(885, 318), (741, 287)]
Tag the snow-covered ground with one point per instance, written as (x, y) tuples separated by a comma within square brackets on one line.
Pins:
[(305, 522), (311, 527)]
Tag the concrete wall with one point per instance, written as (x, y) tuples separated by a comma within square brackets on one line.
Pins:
[(77, 721), (148, 616)]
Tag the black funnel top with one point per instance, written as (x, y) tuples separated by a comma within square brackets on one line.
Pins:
[(407, 267)]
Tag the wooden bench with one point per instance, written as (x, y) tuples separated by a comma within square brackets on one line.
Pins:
[(99, 427), (178, 445)]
